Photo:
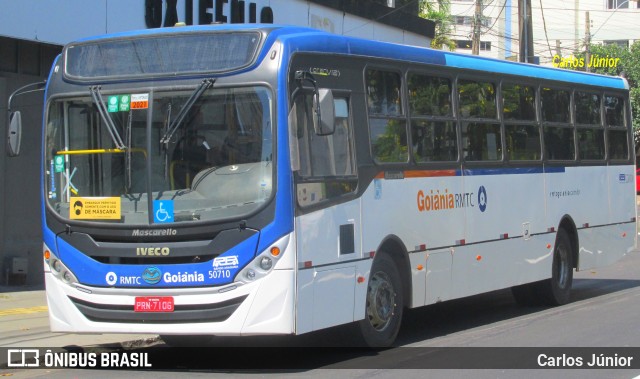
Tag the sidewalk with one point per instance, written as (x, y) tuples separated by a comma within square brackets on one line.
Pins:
[(24, 322)]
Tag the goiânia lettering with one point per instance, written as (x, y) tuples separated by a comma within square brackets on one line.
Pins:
[(436, 200)]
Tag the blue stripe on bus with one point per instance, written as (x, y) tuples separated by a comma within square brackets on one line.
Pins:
[(512, 171)]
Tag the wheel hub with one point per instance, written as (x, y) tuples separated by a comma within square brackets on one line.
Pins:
[(381, 301)]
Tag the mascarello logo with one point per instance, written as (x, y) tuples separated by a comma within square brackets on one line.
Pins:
[(152, 275)]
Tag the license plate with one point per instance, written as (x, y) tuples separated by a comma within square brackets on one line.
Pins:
[(153, 304)]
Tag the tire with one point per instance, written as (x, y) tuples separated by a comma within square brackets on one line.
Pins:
[(187, 341), (557, 289), (384, 304)]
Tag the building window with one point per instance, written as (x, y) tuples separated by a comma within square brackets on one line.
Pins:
[(463, 44), (468, 20), (622, 4), (623, 43), (467, 44)]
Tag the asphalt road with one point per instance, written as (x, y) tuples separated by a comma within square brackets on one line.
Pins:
[(461, 335)]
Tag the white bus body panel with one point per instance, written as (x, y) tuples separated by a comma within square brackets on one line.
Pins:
[(327, 291), (268, 309), (503, 238)]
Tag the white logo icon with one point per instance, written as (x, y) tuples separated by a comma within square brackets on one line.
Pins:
[(111, 278)]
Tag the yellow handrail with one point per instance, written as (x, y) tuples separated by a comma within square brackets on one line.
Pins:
[(100, 151)]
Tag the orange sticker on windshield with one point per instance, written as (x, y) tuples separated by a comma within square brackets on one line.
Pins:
[(140, 101)]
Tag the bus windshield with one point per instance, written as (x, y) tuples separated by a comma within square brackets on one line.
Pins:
[(198, 158)]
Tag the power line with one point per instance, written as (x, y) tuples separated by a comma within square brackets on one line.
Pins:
[(544, 23)]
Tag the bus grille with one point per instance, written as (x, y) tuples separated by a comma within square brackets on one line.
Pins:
[(193, 313), (154, 260)]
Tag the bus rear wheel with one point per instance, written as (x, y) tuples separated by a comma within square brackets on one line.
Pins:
[(384, 305), (557, 289)]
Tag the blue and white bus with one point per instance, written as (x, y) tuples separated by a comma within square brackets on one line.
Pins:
[(249, 180)]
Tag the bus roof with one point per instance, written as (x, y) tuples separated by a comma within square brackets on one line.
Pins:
[(297, 39)]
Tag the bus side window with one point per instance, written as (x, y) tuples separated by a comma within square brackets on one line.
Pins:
[(618, 145), (559, 139), (589, 128), (522, 133), (387, 124), (433, 126), (327, 163), (481, 140)]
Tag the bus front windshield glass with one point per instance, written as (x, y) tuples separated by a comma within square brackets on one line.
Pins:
[(159, 157)]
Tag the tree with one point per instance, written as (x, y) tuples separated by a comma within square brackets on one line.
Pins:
[(440, 13)]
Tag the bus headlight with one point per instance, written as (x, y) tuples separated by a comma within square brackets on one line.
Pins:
[(54, 265), (264, 263)]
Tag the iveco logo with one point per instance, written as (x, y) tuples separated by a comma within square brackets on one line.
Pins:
[(152, 251), (152, 275)]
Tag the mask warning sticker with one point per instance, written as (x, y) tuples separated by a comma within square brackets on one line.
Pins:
[(94, 208)]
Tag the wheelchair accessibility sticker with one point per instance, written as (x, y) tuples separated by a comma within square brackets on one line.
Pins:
[(162, 211)]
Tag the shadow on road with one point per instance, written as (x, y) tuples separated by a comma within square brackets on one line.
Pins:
[(335, 347)]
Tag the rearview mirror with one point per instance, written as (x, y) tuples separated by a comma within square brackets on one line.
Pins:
[(324, 112), (14, 134)]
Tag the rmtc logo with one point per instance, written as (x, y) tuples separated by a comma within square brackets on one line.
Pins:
[(152, 251)]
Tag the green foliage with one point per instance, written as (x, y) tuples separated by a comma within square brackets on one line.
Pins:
[(391, 146), (440, 13)]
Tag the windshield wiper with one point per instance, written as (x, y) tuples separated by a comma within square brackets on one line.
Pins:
[(195, 95), (102, 109)]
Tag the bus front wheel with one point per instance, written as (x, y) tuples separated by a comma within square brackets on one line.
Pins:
[(384, 304)]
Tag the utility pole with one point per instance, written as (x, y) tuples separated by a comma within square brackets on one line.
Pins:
[(477, 23), (526, 30), (587, 41), (558, 48)]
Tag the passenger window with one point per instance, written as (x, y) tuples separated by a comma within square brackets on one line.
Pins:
[(617, 134), (618, 145), (387, 126), (591, 143), (429, 95), (481, 141), (518, 102), (389, 140), (383, 93), (555, 105), (614, 110), (477, 99), (434, 141), (587, 108), (559, 143), (523, 142)]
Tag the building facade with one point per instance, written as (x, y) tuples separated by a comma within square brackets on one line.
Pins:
[(32, 33)]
